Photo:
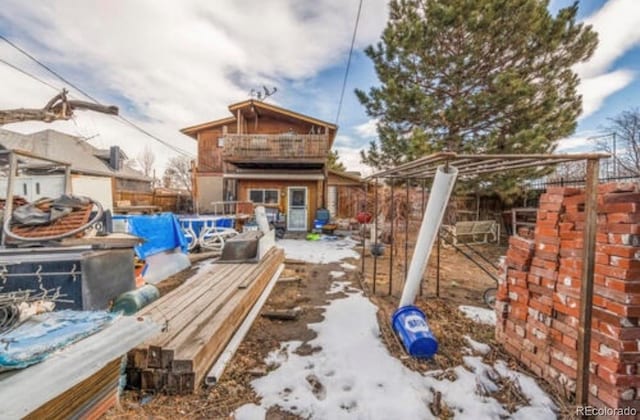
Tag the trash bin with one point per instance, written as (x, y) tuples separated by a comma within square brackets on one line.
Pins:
[(410, 323)]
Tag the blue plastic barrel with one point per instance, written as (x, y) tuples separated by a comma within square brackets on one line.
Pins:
[(410, 323)]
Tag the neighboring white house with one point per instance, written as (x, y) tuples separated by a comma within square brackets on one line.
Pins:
[(95, 173)]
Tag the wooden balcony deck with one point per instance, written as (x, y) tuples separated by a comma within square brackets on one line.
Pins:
[(275, 147)]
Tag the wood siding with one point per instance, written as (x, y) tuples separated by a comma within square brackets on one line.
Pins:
[(210, 156), (314, 199)]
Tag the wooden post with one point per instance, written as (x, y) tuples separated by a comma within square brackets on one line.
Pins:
[(375, 236), (406, 234), (438, 265), (391, 240), (11, 180), (363, 228), (586, 291), (194, 187)]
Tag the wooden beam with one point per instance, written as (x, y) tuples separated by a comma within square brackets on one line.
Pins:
[(586, 291)]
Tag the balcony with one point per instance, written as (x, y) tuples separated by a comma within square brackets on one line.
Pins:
[(275, 148)]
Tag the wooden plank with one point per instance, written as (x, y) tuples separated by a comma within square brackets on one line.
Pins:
[(201, 318), (218, 333), (154, 357), (172, 304), (184, 320), (204, 317), (586, 291), (77, 397)]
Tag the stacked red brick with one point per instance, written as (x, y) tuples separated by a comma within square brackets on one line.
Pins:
[(539, 295)]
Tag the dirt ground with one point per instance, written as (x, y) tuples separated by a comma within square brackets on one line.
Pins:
[(461, 283)]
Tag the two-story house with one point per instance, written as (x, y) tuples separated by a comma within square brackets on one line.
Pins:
[(267, 155)]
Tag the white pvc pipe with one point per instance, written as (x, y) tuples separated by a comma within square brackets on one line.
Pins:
[(261, 219), (220, 364), (438, 198)]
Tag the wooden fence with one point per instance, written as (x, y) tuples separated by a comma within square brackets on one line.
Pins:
[(173, 202)]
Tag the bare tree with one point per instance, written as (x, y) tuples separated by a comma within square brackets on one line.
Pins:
[(145, 160), (568, 171), (625, 137), (178, 173)]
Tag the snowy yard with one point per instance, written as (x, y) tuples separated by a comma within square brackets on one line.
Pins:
[(353, 375)]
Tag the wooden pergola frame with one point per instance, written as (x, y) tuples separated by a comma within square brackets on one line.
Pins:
[(472, 166)]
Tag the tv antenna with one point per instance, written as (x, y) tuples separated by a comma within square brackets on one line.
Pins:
[(262, 94)]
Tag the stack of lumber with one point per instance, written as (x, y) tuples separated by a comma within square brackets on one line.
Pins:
[(539, 296), (81, 381), (200, 317)]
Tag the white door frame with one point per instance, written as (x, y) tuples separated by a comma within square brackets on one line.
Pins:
[(306, 209)]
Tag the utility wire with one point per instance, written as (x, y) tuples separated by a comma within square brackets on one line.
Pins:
[(346, 72), (49, 69), (61, 78), (26, 73)]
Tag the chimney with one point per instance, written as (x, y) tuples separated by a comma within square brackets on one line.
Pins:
[(115, 158)]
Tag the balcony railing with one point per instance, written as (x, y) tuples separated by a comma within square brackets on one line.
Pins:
[(257, 147)]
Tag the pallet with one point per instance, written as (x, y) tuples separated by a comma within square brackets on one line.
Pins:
[(200, 318)]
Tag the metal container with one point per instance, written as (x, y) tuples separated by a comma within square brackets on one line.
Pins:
[(88, 279)]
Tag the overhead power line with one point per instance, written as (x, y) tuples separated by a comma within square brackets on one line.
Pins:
[(346, 72), (64, 80), (49, 69), (26, 73)]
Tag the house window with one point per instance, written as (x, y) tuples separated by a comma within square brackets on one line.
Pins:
[(264, 196), (220, 141)]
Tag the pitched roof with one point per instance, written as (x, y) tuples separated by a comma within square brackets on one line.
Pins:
[(84, 158), (191, 131), (350, 176)]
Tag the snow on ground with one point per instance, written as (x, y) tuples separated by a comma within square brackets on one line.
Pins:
[(337, 274), (354, 376), (476, 346), (348, 266), (337, 287), (318, 252), (250, 412), (480, 315)]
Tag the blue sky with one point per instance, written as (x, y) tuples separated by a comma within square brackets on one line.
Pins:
[(168, 65)]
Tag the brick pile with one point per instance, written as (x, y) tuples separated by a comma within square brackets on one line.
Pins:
[(538, 299)]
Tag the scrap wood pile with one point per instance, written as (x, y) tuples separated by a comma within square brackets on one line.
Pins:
[(81, 380), (200, 317), (539, 297)]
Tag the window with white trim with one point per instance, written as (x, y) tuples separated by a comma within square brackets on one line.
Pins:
[(264, 196)]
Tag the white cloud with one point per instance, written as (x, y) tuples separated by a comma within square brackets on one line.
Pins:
[(580, 142), (368, 129), (174, 63), (350, 156), (596, 89), (618, 27)]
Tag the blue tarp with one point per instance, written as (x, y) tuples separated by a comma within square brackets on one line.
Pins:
[(39, 336), (161, 232)]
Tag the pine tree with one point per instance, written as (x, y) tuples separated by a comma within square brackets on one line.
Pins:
[(333, 161), (474, 76)]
